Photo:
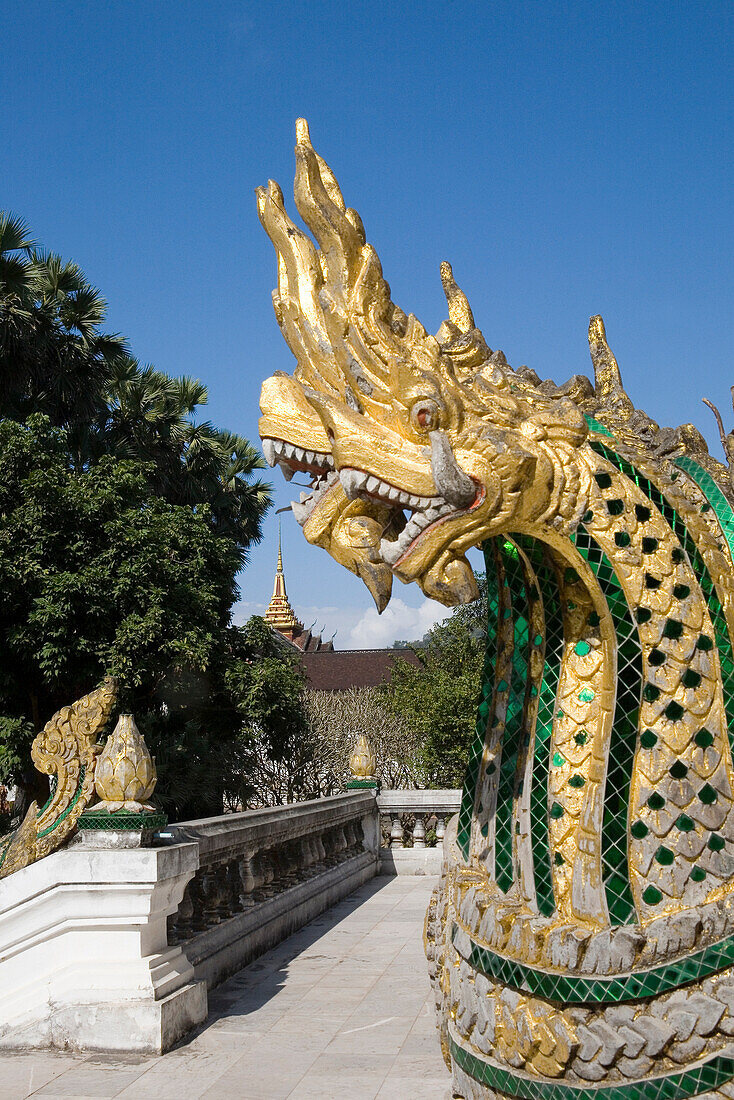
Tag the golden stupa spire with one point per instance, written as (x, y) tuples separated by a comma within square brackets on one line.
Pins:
[(280, 614)]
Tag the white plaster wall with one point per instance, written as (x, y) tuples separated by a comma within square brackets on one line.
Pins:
[(84, 961)]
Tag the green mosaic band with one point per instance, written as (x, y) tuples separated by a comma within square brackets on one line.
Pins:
[(725, 517), (573, 989), (674, 1086), (69, 808), (598, 427), (550, 595), (512, 743), (123, 820), (720, 505)]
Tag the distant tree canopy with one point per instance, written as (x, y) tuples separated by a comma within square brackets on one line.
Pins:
[(123, 524), (437, 699)]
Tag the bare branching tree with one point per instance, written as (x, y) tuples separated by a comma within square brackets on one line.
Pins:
[(339, 717), (317, 760)]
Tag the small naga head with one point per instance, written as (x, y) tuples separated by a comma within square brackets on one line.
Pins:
[(418, 447)]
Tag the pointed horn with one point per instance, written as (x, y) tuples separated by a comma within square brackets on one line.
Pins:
[(453, 483), (460, 313), (333, 190), (607, 376), (320, 204)]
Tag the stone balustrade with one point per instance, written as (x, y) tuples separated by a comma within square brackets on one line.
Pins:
[(105, 947), (264, 873), (410, 815)]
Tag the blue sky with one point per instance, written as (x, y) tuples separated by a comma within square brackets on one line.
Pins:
[(568, 158)]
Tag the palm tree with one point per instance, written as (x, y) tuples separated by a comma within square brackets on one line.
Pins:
[(55, 359), (151, 417), (53, 356)]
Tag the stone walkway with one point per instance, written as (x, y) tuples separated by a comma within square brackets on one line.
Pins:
[(340, 1011)]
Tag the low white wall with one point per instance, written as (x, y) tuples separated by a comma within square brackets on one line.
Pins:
[(110, 948), (410, 861), (265, 873), (225, 948), (84, 957)]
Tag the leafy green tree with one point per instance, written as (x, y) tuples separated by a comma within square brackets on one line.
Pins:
[(438, 698), (124, 520), (98, 576), (55, 359), (264, 680)]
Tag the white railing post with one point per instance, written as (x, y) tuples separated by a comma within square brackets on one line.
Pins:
[(419, 832), (396, 832)]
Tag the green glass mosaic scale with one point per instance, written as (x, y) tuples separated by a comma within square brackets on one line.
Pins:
[(581, 939), (535, 566)]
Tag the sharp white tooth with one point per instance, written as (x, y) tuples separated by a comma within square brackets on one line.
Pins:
[(309, 456), (393, 494), (269, 451), (290, 450), (431, 514), (413, 528), (390, 551), (353, 481), (300, 511), (279, 446), (329, 462), (373, 484), (286, 470), (304, 496)]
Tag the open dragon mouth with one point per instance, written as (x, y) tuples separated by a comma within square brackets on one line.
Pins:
[(410, 516), (403, 531), (292, 459)]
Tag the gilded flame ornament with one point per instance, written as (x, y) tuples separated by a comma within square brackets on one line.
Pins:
[(581, 939), (66, 749)]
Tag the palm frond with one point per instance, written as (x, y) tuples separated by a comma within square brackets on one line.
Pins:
[(14, 233)]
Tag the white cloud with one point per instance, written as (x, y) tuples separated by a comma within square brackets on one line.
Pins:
[(360, 628), (398, 620)]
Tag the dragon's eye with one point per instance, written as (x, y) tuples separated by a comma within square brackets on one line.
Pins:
[(425, 415)]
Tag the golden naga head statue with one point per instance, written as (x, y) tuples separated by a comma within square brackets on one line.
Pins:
[(418, 446)]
